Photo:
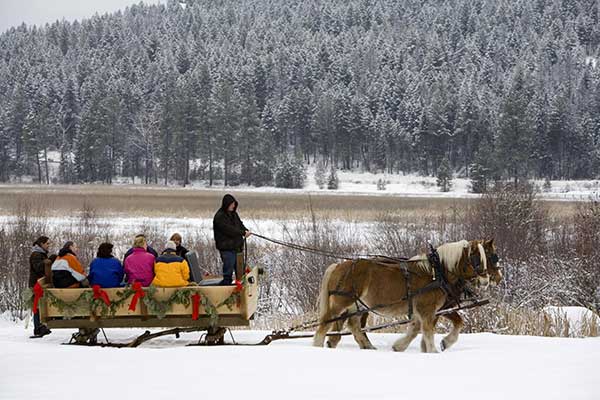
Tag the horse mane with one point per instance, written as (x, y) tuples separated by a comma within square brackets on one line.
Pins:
[(482, 255), (450, 255)]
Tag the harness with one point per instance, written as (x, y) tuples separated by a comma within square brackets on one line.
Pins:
[(440, 281)]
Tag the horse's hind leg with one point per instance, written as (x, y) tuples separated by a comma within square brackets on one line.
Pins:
[(355, 323), (333, 341), (452, 337), (411, 332), (319, 339), (335, 308)]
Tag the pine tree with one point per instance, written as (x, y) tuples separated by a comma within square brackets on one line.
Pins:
[(333, 182), (515, 135), (224, 121), (444, 175), (290, 173), (479, 174), (67, 121)]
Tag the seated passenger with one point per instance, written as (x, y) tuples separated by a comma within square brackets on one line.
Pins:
[(139, 266), (105, 270), (180, 250), (148, 248), (67, 271), (170, 269)]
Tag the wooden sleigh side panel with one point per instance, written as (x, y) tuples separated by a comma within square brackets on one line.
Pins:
[(178, 315)]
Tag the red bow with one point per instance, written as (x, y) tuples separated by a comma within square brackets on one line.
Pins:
[(100, 294), (196, 306), (238, 286), (139, 293), (38, 292)]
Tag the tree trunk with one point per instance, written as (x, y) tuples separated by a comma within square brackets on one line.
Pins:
[(210, 166), (186, 178), (226, 171), (248, 165), (46, 164), (39, 166)]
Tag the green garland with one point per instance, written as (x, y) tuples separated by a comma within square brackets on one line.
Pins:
[(236, 296), (68, 308), (160, 308), (27, 298), (211, 310)]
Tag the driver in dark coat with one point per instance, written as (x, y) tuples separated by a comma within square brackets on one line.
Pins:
[(229, 236)]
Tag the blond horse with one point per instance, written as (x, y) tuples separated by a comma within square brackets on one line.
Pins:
[(386, 286)]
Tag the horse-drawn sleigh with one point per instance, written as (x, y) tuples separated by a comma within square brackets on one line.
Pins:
[(200, 306), (419, 289)]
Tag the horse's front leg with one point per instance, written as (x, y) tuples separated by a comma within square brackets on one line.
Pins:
[(428, 330), (411, 332), (452, 337)]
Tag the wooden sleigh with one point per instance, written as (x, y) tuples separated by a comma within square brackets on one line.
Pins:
[(185, 309)]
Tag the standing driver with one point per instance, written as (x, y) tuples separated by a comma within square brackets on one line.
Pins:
[(229, 236)]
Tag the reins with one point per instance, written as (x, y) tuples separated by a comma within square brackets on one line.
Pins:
[(440, 281), (325, 253)]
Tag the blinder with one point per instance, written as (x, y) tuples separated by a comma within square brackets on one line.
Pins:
[(476, 263), (494, 258)]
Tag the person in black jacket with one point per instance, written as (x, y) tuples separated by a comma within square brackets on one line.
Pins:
[(38, 262), (229, 236), (180, 250)]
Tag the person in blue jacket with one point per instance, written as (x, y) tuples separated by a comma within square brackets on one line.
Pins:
[(106, 270)]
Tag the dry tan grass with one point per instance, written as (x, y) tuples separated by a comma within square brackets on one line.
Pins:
[(202, 203)]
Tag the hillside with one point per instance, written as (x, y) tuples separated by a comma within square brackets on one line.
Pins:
[(237, 91)]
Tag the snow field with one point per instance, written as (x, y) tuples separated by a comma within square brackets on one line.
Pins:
[(479, 366)]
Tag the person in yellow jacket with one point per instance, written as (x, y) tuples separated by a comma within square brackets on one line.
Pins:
[(171, 270)]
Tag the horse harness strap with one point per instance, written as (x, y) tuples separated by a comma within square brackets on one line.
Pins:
[(440, 280)]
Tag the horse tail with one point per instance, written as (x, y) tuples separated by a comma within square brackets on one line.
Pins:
[(323, 300)]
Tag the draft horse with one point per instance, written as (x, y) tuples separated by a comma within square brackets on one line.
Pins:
[(397, 289)]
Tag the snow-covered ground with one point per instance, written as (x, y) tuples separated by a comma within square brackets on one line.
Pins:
[(410, 185), (357, 182), (188, 227), (479, 366)]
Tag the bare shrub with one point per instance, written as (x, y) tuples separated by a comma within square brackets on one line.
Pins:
[(394, 236), (296, 275), (586, 227), (513, 216), (15, 246), (500, 317), (541, 281)]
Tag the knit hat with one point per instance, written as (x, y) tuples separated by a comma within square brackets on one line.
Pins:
[(170, 245)]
